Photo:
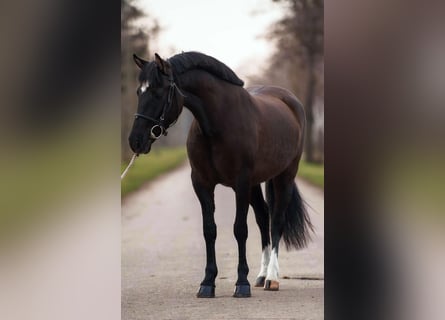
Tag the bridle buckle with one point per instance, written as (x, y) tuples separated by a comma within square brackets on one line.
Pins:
[(156, 131)]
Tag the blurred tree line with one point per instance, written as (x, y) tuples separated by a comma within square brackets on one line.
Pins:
[(138, 30), (298, 64), (133, 40)]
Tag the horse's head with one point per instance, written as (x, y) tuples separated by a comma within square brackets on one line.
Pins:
[(159, 103)]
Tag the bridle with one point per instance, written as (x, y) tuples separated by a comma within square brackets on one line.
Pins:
[(159, 128)]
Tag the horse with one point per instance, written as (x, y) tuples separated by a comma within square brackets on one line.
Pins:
[(239, 138)]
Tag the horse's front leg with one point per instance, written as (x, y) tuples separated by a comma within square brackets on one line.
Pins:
[(242, 191), (205, 195)]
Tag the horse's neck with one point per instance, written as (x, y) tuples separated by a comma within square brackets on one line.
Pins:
[(203, 99), (197, 108)]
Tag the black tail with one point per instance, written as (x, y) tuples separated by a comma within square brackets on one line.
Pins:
[(297, 225)]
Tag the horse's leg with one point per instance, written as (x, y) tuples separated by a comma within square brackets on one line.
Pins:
[(242, 191), (205, 195), (262, 218), (282, 191)]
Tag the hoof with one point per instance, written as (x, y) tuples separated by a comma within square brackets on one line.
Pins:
[(206, 292), (242, 291), (259, 282), (272, 285)]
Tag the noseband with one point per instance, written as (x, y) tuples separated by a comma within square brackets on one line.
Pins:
[(159, 128)]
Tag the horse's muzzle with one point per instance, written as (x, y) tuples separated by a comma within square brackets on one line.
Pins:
[(140, 145)]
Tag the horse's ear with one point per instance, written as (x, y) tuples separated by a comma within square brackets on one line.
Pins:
[(159, 61), (163, 65), (139, 61)]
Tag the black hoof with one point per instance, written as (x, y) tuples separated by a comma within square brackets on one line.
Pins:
[(206, 292), (259, 282), (242, 291)]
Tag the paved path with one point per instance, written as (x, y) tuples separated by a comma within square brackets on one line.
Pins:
[(163, 258)]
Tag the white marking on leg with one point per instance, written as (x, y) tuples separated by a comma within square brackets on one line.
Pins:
[(273, 268), (265, 257)]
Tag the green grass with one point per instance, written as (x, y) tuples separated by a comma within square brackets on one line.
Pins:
[(314, 173), (149, 166), (159, 161)]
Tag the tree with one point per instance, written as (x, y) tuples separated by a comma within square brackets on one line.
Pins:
[(300, 34), (133, 40)]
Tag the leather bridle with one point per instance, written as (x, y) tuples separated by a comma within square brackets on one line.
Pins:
[(159, 128)]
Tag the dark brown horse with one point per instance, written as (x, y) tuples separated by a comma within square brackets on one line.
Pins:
[(239, 138)]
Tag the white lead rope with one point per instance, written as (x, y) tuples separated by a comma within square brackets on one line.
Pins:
[(129, 165)]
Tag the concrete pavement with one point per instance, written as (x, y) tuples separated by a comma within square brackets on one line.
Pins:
[(163, 258)]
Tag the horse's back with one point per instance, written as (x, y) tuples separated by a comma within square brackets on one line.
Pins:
[(266, 92)]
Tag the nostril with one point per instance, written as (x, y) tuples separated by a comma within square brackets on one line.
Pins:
[(135, 144)]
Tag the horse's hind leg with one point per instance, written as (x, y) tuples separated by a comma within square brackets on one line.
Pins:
[(289, 219), (262, 218), (281, 191), (205, 195)]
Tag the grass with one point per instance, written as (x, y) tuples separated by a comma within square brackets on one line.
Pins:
[(314, 173), (148, 167), (159, 161)]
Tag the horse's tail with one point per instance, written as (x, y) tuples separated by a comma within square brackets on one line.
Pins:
[(297, 225)]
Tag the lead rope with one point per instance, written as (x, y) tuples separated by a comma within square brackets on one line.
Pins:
[(129, 165)]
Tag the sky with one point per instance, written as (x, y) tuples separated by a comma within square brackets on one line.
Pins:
[(232, 31)]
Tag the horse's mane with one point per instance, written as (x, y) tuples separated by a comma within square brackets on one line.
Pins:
[(185, 61)]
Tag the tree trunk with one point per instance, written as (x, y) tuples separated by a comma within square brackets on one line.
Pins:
[(310, 90)]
